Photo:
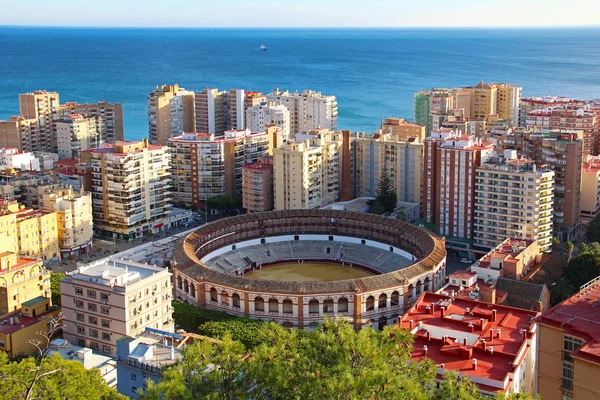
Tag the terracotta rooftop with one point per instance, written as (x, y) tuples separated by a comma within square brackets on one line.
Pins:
[(69, 162), (19, 322), (579, 316), (455, 332), (510, 248)]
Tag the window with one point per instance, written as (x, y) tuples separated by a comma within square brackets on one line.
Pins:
[(570, 344), (78, 303), (104, 310), (567, 375), (92, 307), (106, 349), (80, 317), (79, 291), (91, 293), (94, 346), (81, 329), (105, 336), (105, 323), (134, 389), (103, 297), (134, 377), (93, 333), (93, 320)]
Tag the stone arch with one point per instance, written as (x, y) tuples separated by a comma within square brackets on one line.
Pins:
[(427, 284), (186, 286), (193, 290), (328, 306), (259, 304), (411, 291), (370, 303), (382, 301), (382, 322), (213, 295), (395, 298), (313, 306), (419, 288), (35, 270), (179, 282), (342, 305), (224, 297), (288, 306), (273, 305), (287, 324), (18, 275), (235, 300)]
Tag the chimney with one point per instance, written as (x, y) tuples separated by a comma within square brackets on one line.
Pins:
[(428, 334), (465, 341), (471, 327), (483, 344), (425, 349), (420, 325), (491, 334), (475, 364), (468, 310), (482, 322), (442, 366), (443, 311), (498, 332), (410, 323), (492, 350), (494, 315), (432, 308)]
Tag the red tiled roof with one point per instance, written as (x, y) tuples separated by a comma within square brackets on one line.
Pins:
[(70, 162), (7, 329)]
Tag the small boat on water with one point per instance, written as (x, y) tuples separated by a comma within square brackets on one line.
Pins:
[(263, 47)]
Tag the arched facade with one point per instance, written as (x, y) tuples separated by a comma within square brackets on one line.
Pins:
[(370, 301)]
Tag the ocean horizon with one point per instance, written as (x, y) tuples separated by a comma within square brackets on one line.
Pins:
[(373, 72)]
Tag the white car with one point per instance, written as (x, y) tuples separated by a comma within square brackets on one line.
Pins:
[(465, 261)]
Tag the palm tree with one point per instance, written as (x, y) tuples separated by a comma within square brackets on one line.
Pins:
[(561, 289)]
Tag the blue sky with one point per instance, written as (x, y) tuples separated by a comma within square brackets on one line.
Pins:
[(295, 13)]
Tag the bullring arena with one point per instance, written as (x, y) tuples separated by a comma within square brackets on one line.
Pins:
[(296, 267)]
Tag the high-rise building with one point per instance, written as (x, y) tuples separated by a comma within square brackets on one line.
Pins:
[(308, 110), (205, 166), (108, 117), (131, 191), (212, 111), (575, 116), (19, 133), (559, 151), (402, 159), (257, 185), (40, 106), (75, 228), (107, 299), (307, 172), (75, 133), (539, 103), (569, 362), (449, 162), (170, 113), (590, 189), (513, 198), (260, 116)]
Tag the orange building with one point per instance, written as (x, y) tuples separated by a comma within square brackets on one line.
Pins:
[(257, 185)]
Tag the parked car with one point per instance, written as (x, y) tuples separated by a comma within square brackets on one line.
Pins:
[(465, 261)]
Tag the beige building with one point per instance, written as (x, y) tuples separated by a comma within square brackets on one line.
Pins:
[(105, 300), (307, 172), (18, 132), (75, 227), (131, 190), (257, 185), (108, 117), (569, 362), (170, 113), (75, 133), (401, 129), (511, 259), (204, 166), (402, 158), (513, 198), (40, 106), (590, 189)]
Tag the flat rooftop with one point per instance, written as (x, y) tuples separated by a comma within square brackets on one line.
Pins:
[(579, 316), (114, 272), (455, 332), (20, 321)]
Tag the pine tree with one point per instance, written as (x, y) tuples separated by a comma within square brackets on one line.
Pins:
[(386, 192)]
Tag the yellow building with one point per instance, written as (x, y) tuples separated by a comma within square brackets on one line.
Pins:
[(401, 129), (170, 113), (307, 173), (30, 233), (568, 353)]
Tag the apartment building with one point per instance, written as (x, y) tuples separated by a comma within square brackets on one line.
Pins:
[(261, 116), (75, 133), (401, 157), (574, 116), (511, 259), (108, 117), (70, 172), (434, 102), (257, 185), (450, 159), (18, 132), (308, 110), (307, 172), (204, 166), (559, 151), (401, 129), (40, 106), (513, 198), (108, 299), (590, 188), (540, 103), (15, 159), (46, 159), (74, 217), (568, 361), (474, 339), (131, 188), (170, 113)]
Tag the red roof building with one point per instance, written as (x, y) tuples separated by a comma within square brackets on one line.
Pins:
[(491, 344)]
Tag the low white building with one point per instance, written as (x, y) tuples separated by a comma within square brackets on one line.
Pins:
[(13, 158)]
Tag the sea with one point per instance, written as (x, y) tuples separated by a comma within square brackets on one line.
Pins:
[(373, 72)]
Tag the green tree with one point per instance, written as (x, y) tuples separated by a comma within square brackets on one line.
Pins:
[(377, 208), (55, 278), (336, 362), (592, 231), (401, 215), (220, 203), (583, 248), (555, 243), (569, 249), (456, 387), (386, 192)]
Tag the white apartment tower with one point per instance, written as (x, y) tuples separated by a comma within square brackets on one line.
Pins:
[(108, 299), (260, 116), (513, 198)]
